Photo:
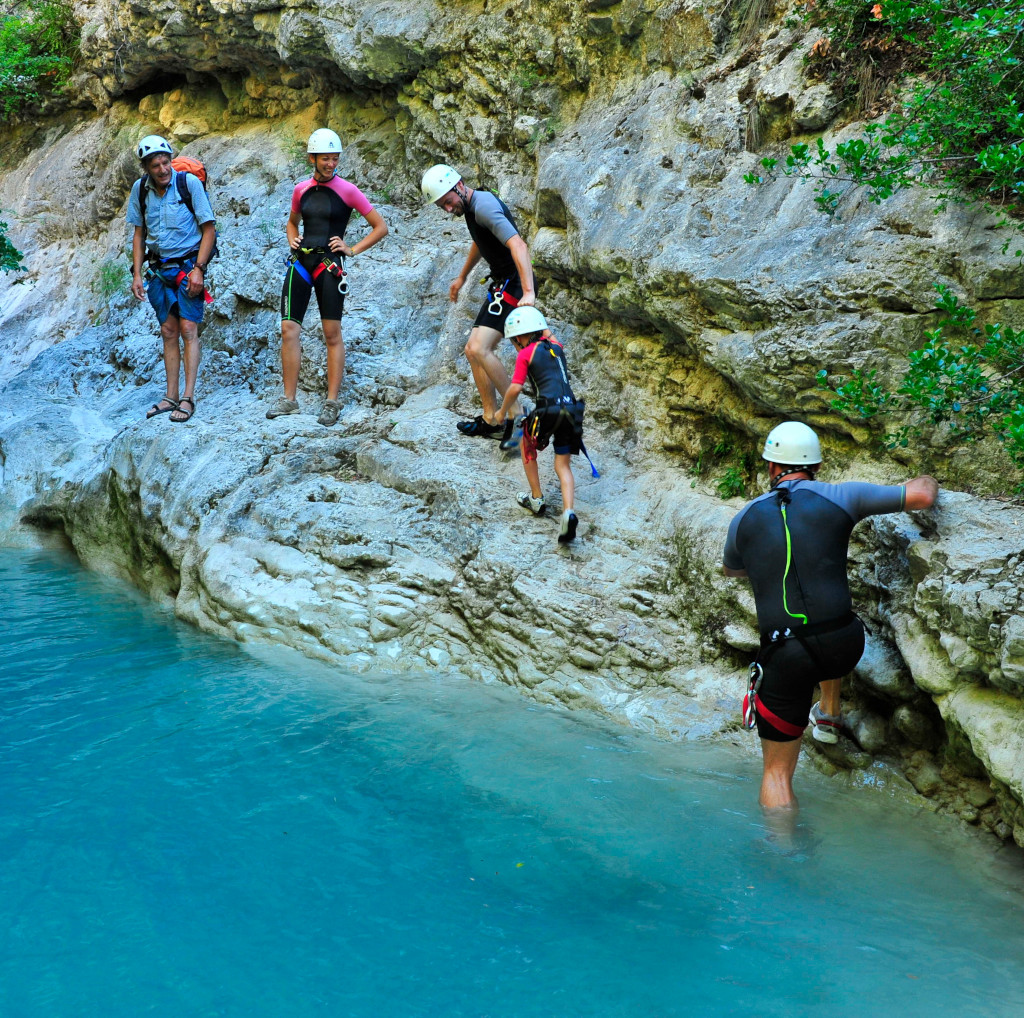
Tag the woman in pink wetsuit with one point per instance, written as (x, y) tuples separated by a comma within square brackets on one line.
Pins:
[(322, 205)]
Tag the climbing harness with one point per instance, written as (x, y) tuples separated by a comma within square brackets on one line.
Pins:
[(156, 267), (499, 296), (328, 264), (553, 410), (750, 700)]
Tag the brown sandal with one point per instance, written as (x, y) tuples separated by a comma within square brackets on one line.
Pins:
[(157, 409), (179, 409)]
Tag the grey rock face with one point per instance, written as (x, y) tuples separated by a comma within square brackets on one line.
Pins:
[(696, 313)]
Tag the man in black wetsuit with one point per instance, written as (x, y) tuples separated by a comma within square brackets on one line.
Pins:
[(791, 543), (496, 239)]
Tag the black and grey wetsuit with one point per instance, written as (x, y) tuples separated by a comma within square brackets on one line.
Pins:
[(793, 543), (491, 226)]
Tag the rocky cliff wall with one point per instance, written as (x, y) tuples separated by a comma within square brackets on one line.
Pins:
[(696, 313)]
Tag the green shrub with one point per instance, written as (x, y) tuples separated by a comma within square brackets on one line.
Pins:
[(10, 256), (959, 122), (38, 45), (966, 379)]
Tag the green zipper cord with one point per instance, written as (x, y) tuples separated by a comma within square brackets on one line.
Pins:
[(789, 559)]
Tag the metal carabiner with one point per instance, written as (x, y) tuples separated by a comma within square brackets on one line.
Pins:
[(343, 278), (749, 701), (495, 306)]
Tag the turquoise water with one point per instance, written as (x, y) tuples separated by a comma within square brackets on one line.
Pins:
[(186, 830)]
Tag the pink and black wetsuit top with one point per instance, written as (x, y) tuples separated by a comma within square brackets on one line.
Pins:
[(326, 208), (543, 364)]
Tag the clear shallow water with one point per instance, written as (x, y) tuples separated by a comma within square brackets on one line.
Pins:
[(188, 831)]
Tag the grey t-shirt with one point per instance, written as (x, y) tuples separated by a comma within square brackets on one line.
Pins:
[(171, 230), (491, 226), (796, 561)]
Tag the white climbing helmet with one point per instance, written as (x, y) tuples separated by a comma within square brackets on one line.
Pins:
[(791, 444), (153, 145), (524, 320), (322, 142), (438, 181)]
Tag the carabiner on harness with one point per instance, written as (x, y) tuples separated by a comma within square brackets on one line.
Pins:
[(750, 700), (497, 298), (343, 279)]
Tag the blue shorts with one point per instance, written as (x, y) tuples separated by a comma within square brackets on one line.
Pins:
[(167, 299)]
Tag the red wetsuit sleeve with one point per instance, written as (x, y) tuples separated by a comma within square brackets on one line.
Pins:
[(523, 364), (351, 195)]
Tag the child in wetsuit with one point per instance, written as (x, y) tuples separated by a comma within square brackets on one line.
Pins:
[(557, 416)]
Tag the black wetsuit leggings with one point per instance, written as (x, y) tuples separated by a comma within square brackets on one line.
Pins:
[(295, 293)]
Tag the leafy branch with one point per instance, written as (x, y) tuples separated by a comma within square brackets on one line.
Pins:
[(38, 46), (967, 379), (959, 125), (10, 256)]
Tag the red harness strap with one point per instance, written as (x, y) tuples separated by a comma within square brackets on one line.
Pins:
[(182, 274), (776, 722), (507, 298)]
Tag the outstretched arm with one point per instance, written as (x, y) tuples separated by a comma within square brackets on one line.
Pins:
[(511, 395), (921, 492)]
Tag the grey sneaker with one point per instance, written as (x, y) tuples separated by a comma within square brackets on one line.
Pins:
[(329, 414), (535, 505), (826, 727), (283, 407), (567, 530)]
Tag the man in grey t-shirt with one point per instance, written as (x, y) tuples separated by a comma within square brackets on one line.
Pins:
[(175, 233), (791, 543), (496, 239)]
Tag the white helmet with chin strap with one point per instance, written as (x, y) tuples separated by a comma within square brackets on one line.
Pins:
[(792, 444), (522, 321), (153, 145), (323, 141), (438, 181)]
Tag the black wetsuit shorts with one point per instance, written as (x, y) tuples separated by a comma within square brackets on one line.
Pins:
[(795, 667), (295, 292)]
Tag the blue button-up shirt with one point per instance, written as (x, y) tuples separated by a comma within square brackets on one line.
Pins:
[(171, 230)]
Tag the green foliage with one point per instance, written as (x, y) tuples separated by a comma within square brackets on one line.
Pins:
[(112, 278), (723, 452), (967, 379), (528, 77), (959, 124), (38, 45), (731, 483), (543, 132), (10, 256)]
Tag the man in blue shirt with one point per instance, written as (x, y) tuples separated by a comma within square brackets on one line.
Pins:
[(791, 543), (176, 236)]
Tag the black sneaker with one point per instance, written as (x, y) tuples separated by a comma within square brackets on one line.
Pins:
[(479, 428), (513, 433), (567, 531)]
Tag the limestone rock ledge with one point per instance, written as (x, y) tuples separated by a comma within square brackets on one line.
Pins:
[(696, 312)]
